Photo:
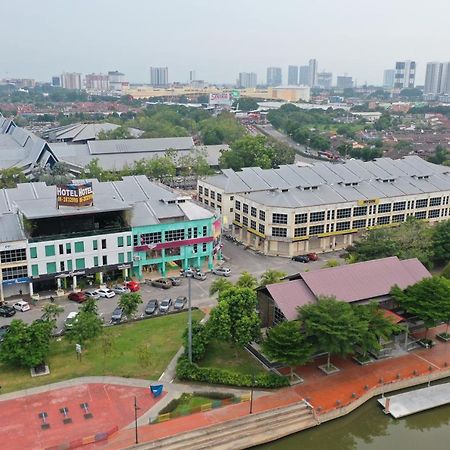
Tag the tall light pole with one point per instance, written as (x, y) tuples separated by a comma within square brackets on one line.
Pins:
[(136, 408), (189, 321)]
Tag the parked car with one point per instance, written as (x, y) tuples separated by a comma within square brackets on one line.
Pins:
[(70, 320), (105, 293), (133, 286), (163, 283), (117, 315), (300, 258), (165, 305), (189, 272), (3, 331), (179, 303), (223, 271), (120, 289), (312, 256), (199, 276), (21, 306), (7, 311), (92, 293), (176, 281), (78, 297), (151, 306)]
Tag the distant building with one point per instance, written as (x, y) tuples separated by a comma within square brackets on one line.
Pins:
[(437, 79), (313, 66), (274, 76), (304, 76), (388, 78), (192, 76), (56, 81), (325, 80), (292, 75), (71, 80), (247, 80), (445, 79), (116, 80), (344, 82), (97, 82), (159, 76), (405, 74), (290, 93)]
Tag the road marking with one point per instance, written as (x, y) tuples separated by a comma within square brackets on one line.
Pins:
[(162, 375)]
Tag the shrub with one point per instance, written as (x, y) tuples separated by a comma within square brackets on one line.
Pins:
[(192, 372), (213, 395), (171, 406)]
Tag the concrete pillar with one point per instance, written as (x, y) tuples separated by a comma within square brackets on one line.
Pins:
[(125, 274), (307, 246), (74, 282), (30, 286), (58, 283), (210, 262), (266, 246), (199, 262), (100, 277)]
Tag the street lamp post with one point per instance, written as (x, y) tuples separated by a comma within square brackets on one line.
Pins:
[(189, 321), (251, 394), (136, 409)]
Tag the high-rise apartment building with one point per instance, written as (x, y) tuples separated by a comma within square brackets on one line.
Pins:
[(192, 76), (159, 76), (274, 76), (405, 74), (71, 80), (344, 82), (56, 81), (247, 80), (388, 78), (313, 72), (324, 80), (304, 76), (445, 79), (116, 80), (97, 82), (292, 75), (437, 79)]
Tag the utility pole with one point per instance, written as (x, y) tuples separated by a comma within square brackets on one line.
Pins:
[(189, 321), (136, 408)]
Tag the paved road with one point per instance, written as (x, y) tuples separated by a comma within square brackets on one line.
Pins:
[(238, 259)]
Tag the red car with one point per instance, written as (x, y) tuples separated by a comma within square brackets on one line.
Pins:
[(78, 297), (312, 256), (133, 286)]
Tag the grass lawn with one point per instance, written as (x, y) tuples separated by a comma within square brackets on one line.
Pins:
[(188, 401), (138, 350), (223, 356)]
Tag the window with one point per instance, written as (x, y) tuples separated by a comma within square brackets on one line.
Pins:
[(237, 217), (360, 211), (299, 232), (103, 244), (61, 266), (399, 206), (398, 218), (79, 247), (194, 248), (61, 249), (383, 220), (50, 250), (95, 244), (12, 273), (151, 238), (253, 224), (262, 215), (279, 218), (95, 261), (213, 205), (51, 267), (237, 205), (119, 241), (219, 197), (204, 247), (231, 197), (200, 189), (128, 241), (104, 260), (213, 195), (244, 221), (9, 256), (433, 213), (34, 270), (69, 264), (129, 256), (422, 203), (301, 218), (317, 216), (436, 201), (195, 231), (261, 228), (206, 202), (361, 223), (68, 248), (421, 215), (279, 232), (33, 252), (245, 208), (316, 229), (384, 208), (341, 226), (206, 192), (79, 263), (253, 211), (174, 235), (205, 230), (121, 258), (343, 213)]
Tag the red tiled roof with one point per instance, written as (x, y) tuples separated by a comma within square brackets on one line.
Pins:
[(396, 318)]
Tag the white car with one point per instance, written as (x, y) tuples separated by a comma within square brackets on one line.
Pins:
[(120, 289), (106, 293), (70, 319), (21, 306), (223, 271), (92, 294)]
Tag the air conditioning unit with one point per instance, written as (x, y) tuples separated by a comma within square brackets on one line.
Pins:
[(136, 258)]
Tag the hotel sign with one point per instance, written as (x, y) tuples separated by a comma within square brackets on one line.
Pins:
[(74, 195), (372, 201)]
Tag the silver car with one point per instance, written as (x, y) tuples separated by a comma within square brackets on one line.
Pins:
[(222, 271), (91, 293)]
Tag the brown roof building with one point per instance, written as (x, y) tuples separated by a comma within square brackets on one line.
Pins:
[(354, 283)]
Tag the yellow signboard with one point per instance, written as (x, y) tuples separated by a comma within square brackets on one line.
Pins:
[(372, 201)]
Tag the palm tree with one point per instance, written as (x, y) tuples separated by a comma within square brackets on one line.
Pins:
[(271, 276), (246, 280), (219, 285)]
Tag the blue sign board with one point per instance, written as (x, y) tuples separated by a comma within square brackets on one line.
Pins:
[(16, 281)]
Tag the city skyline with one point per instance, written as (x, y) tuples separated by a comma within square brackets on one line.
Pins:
[(219, 48)]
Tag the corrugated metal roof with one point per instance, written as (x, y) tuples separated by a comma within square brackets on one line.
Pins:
[(10, 229)]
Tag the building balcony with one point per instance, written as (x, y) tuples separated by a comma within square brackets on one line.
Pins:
[(59, 237)]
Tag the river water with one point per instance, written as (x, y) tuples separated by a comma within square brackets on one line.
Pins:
[(368, 428)]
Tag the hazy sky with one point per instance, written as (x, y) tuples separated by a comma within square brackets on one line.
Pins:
[(219, 38)]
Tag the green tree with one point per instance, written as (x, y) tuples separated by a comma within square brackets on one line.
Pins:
[(129, 303), (86, 327), (235, 319), (271, 276), (219, 285), (331, 263), (441, 242), (440, 156), (446, 271), (374, 244), (247, 280), (26, 345), (89, 306), (200, 340), (246, 104), (118, 133), (9, 178), (286, 344), (51, 312), (331, 326)]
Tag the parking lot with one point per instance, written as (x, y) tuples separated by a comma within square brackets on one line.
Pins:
[(237, 258)]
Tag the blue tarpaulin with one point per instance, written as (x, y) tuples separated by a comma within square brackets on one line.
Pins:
[(156, 390)]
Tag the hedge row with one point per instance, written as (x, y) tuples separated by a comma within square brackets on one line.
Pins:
[(191, 372)]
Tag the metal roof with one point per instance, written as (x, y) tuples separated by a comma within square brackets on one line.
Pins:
[(10, 228)]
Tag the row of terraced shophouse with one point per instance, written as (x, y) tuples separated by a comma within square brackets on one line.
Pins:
[(133, 228)]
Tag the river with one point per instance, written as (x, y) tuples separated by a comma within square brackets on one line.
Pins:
[(368, 428)]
